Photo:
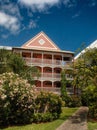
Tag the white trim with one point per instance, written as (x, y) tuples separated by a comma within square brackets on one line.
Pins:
[(40, 47), (6, 47), (91, 46), (36, 49)]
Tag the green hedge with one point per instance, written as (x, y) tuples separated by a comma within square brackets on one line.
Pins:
[(89, 98), (48, 107), (72, 101)]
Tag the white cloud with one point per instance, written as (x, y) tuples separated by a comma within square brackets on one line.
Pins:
[(92, 3), (72, 3), (9, 22), (39, 5), (69, 3), (10, 8), (66, 2), (11, 17), (76, 15), (32, 24), (4, 36)]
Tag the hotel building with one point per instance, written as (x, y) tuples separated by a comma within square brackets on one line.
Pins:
[(44, 54)]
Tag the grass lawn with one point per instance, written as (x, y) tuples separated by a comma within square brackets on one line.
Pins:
[(67, 112), (92, 125)]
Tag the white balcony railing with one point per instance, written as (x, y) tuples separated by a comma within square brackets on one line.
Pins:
[(49, 89), (39, 61), (49, 76), (53, 76), (70, 91)]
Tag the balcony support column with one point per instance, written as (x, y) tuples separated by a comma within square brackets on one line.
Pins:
[(31, 58), (52, 58), (52, 69), (62, 61), (20, 53), (52, 76), (42, 58), (42, 84), (52, 84), (42, 70)]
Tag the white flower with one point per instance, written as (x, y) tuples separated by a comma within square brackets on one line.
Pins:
[(3, 96)]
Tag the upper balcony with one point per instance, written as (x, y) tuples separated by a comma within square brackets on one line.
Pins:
[(49, 62)]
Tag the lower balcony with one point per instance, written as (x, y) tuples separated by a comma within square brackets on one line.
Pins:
[(49, 76), (52, 77), (70, 91), (49, 89)]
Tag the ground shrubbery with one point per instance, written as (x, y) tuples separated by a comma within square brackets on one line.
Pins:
[(89, 98), (20, 104), (48, 107), (73, 101)]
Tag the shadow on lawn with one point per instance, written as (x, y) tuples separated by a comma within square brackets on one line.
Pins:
[(64, 118), (6, 126)]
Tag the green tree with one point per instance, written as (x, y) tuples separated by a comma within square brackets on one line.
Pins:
[(30, 73), (10, 62), (13, 62), (4, 56), (85, 78), (85, 69), (16, 63), (18, 66)]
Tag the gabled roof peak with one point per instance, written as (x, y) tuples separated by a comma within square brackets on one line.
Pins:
[(41, 41)]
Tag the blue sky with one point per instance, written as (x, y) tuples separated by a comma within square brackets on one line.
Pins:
[(69, 23)]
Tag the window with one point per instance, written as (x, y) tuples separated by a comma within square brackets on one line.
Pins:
[(66, 58), (48, 83), (48, 70)]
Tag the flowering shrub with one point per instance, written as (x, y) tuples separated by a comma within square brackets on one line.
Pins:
[(21, 104), (16, 100)]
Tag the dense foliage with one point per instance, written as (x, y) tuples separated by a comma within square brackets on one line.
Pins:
[(12, 62), (16, 100), (70, 100), (85, 78), (89, 98), (48, 107), (73, 101), (16, 63), (21, 104), (4, 56), (29, 73), (85, 69)]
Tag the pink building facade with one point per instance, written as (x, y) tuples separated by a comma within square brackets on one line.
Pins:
[(44, 54)]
